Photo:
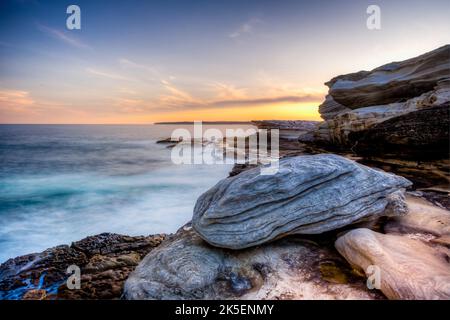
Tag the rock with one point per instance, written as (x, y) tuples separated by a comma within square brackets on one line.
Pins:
[(238, 168), (289, 130), (422, 134), (292, 134), (45, 270), (409, 268), (169, 141), (111, 259), (308, 195), (105, 261), (439, 198), (392, 82), (35, 294), (424, 220), (358, 102), (424, 174), (396, 117), (186, 267), (300, 125), (330, 108)]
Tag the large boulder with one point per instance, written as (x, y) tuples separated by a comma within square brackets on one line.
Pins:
[(360, 101), (392, 82), (408, 268), (308, 195), (186, 267)]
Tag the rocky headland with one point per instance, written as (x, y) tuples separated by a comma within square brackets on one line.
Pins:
[(366, 189)]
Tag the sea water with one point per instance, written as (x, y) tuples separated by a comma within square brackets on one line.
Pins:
[(60, 183)]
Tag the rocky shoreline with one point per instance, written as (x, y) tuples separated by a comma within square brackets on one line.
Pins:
[(366, 188)]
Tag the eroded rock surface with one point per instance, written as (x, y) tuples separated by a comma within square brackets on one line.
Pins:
[(409, 268), (392, 82), (186, 267), (308, 195), (105, 261), (423, 221), (330, 108), (422, 134), (360, 101)]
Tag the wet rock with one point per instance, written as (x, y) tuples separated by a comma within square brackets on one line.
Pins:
[(186, 267), (409, 268), (308, 195), (35, 294), (105, 261), (45, 270)]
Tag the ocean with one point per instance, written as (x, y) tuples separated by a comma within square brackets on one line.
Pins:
[(61, 183)]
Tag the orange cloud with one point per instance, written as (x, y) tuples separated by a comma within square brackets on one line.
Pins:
[(15, 100)]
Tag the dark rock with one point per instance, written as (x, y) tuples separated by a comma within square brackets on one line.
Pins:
[(105, 261), (422, 135)]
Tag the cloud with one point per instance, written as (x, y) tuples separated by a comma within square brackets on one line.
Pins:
[(63, 36), (130, 105), (228, 96), (108, 75), (268, 100), (245, 28), (225, 91), (178, 98), (130, 64), (15, 100)]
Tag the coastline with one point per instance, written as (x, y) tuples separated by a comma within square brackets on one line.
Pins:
[(405, 137)]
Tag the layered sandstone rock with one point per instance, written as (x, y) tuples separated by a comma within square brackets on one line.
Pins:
[(393, 82), (409, 268), (424, 221), (421, 134), (330, 108), (360, 101), (308, 195), (186, 267)]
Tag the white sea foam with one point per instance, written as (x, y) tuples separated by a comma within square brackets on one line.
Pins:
[(56, 197)]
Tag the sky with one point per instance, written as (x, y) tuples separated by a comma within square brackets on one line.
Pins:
[(147, 61)]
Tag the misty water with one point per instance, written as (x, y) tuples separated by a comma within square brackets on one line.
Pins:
[(60, 183)]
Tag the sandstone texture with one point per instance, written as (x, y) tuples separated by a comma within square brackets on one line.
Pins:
[(308, 195), (186, 267), (409, 268), (360, 101)]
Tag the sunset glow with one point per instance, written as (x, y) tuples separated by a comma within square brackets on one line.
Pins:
[(143, 62)]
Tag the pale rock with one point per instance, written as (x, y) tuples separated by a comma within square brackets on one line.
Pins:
[(409, 268)]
